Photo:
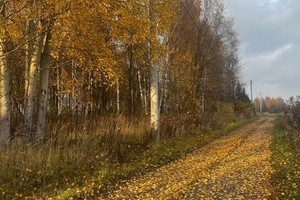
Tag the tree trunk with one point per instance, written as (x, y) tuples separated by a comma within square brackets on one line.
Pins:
[(59, 95), (154, 103), (29, 49), (164, 96), (146, 92), (130, 80), (203, 91), (31, 95), (4, 84), (118, 97), (142, 95), (43, 88)]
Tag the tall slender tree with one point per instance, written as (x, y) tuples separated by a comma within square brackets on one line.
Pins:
[(154, 101), (31, 93), (44, 84), (4, 81)]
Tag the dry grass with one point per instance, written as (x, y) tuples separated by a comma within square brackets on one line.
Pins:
[(71, 152), (77, 152)]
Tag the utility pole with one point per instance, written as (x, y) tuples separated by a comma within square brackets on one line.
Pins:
[(251, 89), (260, 103)]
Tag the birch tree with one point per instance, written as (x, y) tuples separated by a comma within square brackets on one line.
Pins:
[(4, 81), (44, 84), (154, 102), (31, 93), (184, 75)]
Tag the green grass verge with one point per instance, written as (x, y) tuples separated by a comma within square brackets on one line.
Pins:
[(139, 162), (285, 163)]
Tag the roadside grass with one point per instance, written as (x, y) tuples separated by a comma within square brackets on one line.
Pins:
[(285, 162), (86, 161)]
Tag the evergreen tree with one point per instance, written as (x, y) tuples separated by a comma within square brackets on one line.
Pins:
[(241, 94)]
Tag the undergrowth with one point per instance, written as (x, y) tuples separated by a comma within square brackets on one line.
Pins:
[(285, 162)]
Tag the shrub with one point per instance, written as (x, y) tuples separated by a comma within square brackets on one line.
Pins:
[(219, 115), (242, 109), (285, 163)]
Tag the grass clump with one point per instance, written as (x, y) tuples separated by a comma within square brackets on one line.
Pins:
[(285, 162)]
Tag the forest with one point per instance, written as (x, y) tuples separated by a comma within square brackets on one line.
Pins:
[(66, 60), (92, 91)]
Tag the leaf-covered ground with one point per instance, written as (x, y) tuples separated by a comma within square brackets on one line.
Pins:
[(234, 167)]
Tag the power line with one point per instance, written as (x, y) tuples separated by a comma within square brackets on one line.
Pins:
[(257, 94)]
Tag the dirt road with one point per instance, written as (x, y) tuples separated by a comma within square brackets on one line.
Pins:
[(236, 166)]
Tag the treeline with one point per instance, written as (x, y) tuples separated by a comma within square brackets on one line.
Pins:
[(269, 104), (81, 59)]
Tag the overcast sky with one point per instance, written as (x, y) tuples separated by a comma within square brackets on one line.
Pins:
[(269, 32)]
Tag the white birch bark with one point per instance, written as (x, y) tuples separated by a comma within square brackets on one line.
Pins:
[(31, 95), (29, 49), (4, 84), (154, 108), (142, 95), (154, 99), (43, 88)]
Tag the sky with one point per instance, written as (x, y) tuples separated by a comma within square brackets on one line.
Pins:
[(269, 32)]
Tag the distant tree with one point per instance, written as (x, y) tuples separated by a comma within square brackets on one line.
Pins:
[(242, 100), (269, 104), (241, 94)]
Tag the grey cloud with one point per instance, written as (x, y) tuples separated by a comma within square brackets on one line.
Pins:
[(270, 37)]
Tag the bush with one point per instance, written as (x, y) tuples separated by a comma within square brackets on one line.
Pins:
[(219, 115), (242, 109)]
